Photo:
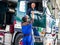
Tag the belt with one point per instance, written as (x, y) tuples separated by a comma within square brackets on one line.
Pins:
[(27, 34)]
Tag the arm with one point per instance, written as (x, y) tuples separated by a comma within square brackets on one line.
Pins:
[(32, 20)]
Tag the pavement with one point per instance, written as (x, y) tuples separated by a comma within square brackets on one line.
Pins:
[(58, 42)]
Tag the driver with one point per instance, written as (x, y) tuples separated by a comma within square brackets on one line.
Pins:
[(33, 5), (31, 9)]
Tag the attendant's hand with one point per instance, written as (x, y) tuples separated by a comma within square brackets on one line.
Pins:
[(32, 12)]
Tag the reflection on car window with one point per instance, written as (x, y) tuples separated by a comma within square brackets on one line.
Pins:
[(22, 6)]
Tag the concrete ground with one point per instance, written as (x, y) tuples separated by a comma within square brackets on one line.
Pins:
[(58, 42)]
